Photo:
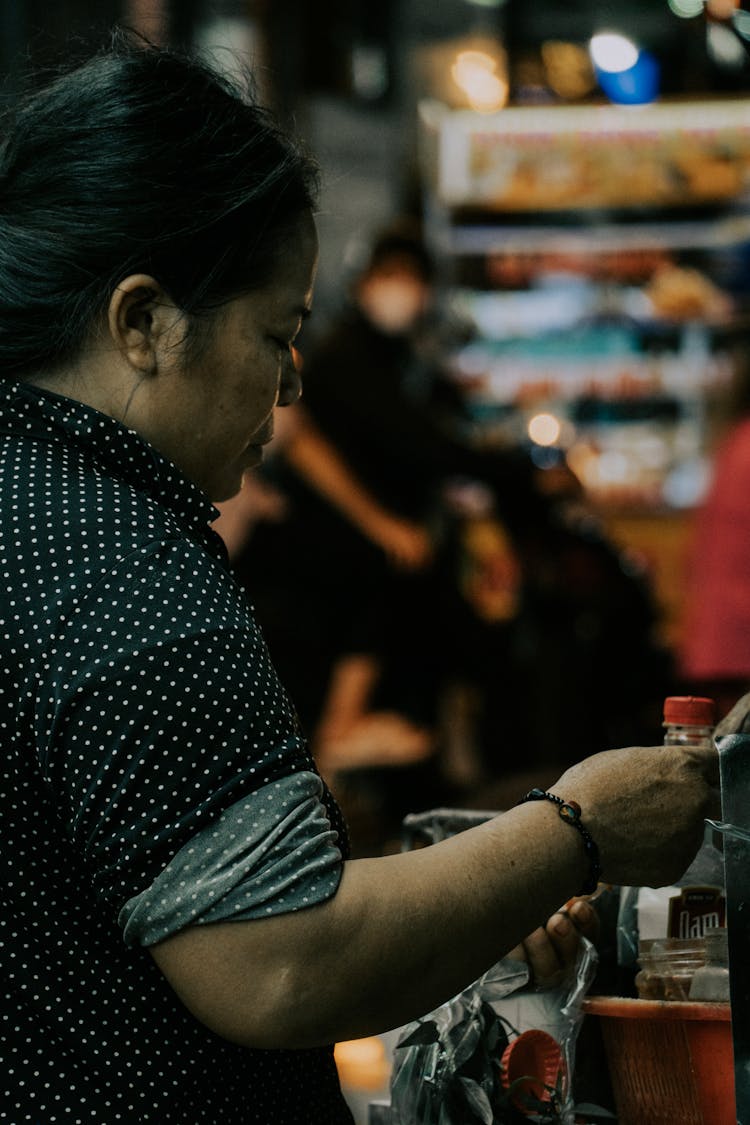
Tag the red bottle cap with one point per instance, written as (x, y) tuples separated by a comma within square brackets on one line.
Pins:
[(690, 710), (536, 1057)]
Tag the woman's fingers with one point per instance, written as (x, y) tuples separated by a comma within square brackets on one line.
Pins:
[(584, 917), (551, 951)]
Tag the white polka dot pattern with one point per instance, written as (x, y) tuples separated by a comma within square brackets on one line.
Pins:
[(140, 708)]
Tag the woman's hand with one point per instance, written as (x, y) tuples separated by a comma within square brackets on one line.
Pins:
[(552, 949), (645, 808)]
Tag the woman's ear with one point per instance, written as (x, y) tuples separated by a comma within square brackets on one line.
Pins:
[(140, 317)]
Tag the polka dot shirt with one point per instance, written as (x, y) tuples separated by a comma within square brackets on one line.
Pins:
[(153, 774)]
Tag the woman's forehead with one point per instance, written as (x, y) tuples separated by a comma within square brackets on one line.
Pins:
[(297, 255)]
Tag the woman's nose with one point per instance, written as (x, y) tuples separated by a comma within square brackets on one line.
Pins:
[(290, 387)]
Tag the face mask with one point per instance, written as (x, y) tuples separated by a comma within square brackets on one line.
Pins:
[(393, 304)]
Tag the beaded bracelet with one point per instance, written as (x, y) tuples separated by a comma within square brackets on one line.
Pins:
[(570, 812)]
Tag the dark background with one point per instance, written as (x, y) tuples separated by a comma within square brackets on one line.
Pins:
[(345, 74)]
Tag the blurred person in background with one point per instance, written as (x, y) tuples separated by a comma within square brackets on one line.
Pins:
[(509, 594), (356, 469), (263, 501), (714, 656), (375, 405)]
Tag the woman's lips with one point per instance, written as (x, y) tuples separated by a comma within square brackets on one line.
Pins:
[(257, 441)]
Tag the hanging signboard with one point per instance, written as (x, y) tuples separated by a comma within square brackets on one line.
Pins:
[(562, 157)]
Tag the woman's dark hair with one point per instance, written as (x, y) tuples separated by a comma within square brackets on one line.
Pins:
[(140, 160)]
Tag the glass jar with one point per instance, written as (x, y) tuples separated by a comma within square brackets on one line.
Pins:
[(667, 967)]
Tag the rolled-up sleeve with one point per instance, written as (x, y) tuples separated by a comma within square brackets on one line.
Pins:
[(272, 852)]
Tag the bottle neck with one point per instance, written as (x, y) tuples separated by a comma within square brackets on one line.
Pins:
[(676, 734)]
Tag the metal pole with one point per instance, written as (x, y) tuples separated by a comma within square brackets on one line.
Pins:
[(734, 761)]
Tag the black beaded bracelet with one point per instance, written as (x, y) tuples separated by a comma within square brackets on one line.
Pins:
[(570, 812)]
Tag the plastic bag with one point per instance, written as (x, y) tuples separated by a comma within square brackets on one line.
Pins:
[(460, 1064)]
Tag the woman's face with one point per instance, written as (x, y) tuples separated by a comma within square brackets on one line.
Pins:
[(224, 399), (393, 296)]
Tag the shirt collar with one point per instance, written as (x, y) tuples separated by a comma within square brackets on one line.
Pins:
[(120, 452)]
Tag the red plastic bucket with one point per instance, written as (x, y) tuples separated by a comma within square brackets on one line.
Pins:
[(670, 1063)]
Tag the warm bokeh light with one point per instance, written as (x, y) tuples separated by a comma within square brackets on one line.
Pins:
[(362, 1063), (613, 52), (722, 9), (544, 429), (476, 74), (567, 68)]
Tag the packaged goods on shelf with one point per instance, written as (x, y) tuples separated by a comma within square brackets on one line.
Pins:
[(600, 257)]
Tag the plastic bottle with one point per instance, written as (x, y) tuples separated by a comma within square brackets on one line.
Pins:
[(689, 721), (711, 982), (685, 911)]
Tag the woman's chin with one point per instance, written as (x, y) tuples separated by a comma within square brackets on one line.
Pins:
[(227, 488)]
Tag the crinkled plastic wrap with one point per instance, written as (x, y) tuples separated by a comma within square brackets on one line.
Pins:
[(448, 1066), (732, 830)]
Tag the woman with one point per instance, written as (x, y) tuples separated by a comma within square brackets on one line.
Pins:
[(183, 935)]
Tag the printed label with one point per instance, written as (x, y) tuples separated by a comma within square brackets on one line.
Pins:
[(696, 910)]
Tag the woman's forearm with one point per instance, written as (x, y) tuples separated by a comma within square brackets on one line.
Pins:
[(320, 464), (402, 934), (405, 932)]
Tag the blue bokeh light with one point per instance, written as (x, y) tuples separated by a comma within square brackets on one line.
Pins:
[(637, 85)]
